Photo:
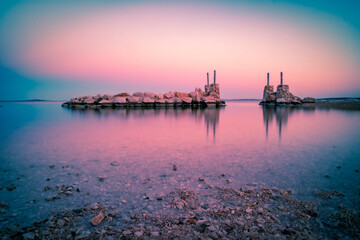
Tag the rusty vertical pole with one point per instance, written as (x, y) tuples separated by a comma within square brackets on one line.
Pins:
[(268, 79), (214, 76)]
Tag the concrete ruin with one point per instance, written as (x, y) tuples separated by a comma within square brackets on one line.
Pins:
[(282, 96)]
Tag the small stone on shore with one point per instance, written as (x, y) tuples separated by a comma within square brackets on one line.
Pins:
[(97, 220), (139, 233), (60, 223), (101, 179)]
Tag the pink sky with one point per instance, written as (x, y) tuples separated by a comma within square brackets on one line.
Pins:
[(162, 45)]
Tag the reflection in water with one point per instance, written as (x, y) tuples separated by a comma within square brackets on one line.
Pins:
[(281, 115), (128, 147), (211, 116), (212, 119)]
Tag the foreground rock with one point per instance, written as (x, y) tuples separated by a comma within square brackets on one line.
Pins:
[(97, 220), (219, 213)]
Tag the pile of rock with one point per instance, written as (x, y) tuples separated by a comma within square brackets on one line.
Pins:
[(197, 98), (282, 96)]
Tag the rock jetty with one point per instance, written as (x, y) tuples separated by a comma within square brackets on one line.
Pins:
[(282, 96), (210, 97)]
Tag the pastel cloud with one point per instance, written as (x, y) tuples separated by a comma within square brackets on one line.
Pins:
[(174, 45)]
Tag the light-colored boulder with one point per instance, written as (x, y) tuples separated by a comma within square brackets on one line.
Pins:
[(177, 101), (104, 101), (309, 100), (119, 100), (81, 98), (89, 100), (75, 100), (148, 100), (97, 98), (181, 94), (134, 99), (207, 98), (170, 100), (159, 96), (186, 100), (149, 94), (169, 95), (195, 96), (139, 94), (296, 100), (107, 96)]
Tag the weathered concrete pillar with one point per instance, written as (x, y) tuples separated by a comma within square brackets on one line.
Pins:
[(207, 78), (214, 76), (268, 95), (267, 79), (281, 77)]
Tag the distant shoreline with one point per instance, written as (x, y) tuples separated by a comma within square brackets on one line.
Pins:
[(31, 100)]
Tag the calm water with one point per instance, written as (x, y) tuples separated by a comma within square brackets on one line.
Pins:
[(135, 150)]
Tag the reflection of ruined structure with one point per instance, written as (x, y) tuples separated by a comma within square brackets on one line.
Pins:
[(281, 115), (282, 96), (208, 116), (212, 117)]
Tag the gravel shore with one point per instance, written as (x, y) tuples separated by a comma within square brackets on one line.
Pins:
[(220, 212)]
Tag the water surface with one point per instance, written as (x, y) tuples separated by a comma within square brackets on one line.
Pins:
[(134, 150)]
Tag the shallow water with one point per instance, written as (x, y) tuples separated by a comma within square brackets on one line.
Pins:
[(135, 150)]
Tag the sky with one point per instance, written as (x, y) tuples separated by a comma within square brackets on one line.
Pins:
[(60, 49)]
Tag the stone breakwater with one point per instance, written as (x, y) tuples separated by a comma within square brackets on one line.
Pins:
[(197, 98)]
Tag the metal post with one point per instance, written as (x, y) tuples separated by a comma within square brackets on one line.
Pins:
[(268, 79), (207, 78), (214, 76), (281, 76)]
